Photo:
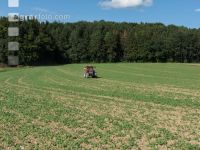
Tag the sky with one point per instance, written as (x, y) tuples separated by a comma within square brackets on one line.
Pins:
[(178, 12)]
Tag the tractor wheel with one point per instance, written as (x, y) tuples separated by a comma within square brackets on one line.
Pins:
[(85, 75)]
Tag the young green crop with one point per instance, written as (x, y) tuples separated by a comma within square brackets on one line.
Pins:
[(130, 106)]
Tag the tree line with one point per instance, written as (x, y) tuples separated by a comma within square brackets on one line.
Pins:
[(101, 41)]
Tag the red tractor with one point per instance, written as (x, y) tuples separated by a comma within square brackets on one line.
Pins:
[(89, 72)]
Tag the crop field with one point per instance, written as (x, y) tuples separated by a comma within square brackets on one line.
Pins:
[(130, 106)]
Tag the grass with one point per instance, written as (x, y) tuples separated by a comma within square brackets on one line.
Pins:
[(132, 106)]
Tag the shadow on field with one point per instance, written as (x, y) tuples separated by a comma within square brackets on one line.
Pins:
[(97, 77), (94, 77)]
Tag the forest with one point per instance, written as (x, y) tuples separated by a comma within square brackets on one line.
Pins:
[(100, 42)]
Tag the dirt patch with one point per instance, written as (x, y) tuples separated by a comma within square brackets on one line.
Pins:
[(143, 143), (197, 65), (56, 127), (86, 146)]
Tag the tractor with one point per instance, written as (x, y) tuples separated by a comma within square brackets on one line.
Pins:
[(89, 72)]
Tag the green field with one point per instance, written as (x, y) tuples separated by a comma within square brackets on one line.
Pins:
[(132, 106)]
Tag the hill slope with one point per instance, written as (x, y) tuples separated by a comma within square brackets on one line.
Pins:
[(138, 106)]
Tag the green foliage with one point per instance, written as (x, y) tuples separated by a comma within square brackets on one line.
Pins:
[(47, 43)]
